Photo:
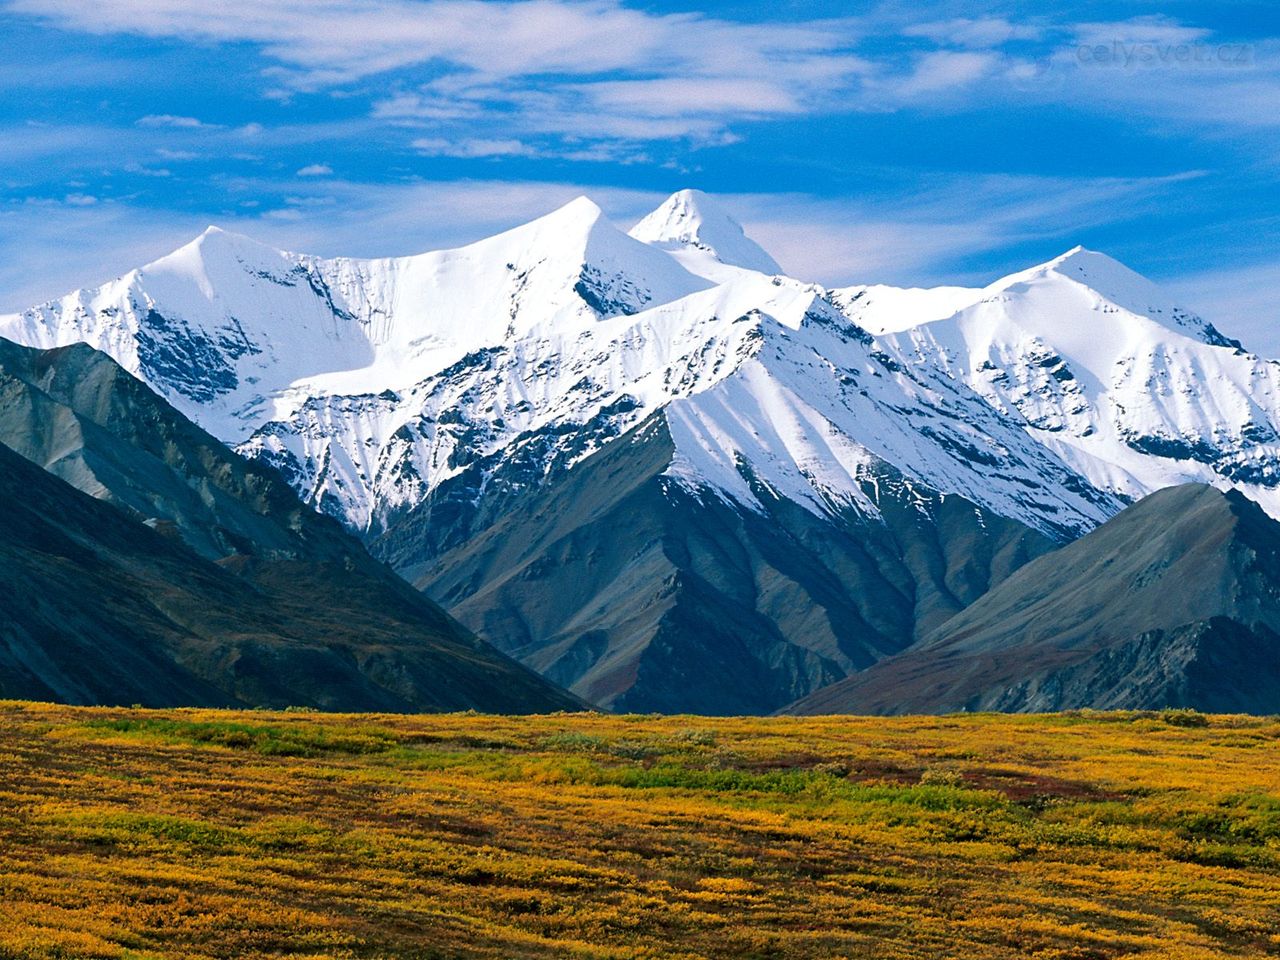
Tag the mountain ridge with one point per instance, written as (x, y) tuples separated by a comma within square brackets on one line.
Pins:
[(701, 234), (146, 562), (640, 592), (448, 386), (1172, 603)]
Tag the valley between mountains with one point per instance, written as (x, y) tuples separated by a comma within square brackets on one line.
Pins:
[(646, 467)]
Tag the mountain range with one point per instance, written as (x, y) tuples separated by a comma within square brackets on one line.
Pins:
[(661, 472)]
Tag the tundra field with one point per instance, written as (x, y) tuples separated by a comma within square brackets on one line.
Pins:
[(137, 834)]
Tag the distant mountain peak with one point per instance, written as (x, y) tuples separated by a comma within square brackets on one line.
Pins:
[(577, 218), (214, 234), (370, 381), (1091, 268), (581, 207), (216, 245), (689, 220), (1107, 277)]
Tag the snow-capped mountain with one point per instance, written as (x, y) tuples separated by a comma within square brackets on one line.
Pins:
[(1131, 391), (368, 382), (238, 334), (418, 399)]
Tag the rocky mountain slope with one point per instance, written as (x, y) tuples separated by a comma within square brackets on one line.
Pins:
[(1174, 602), (145, 562), (639, 593)]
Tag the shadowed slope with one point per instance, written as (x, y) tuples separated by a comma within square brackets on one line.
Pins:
[(197, 576), (1174, 602)]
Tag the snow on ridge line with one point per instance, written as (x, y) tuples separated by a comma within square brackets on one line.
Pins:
[(622, 369), (234, 331), (1102, 368)]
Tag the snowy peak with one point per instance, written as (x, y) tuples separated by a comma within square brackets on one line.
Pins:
[(691, 223), (1089, 268), (1118, 286), (569, 267), (235, 332), (566, 229), (218, 260), (217, 244), (1131, 391)]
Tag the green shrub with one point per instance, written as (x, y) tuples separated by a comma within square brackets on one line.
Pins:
[(1184, 717)]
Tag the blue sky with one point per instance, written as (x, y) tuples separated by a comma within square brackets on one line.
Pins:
[(912, 143)]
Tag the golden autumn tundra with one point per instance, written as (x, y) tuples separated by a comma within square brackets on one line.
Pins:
[(130, 833)]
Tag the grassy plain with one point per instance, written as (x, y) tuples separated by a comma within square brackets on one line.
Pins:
[(208, 834)]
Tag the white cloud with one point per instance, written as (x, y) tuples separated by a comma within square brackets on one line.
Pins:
[(30, 146), (169, 120), (142, 171), (1189, 79), (340, 40), (946, 72), (707, 96), (975, 33), (1150, 29), (571, 59), (471, 148), (595, 74), (316, 170), (322, 201)]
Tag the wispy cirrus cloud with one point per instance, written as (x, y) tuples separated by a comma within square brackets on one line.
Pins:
[(472, 147), (169, 120), (941, 71), (977, 33), (337, 41), (604, 71), (1189, 77), (557, 66), (934, 236)]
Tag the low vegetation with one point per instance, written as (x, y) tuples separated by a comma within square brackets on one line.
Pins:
[(129, 833)]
